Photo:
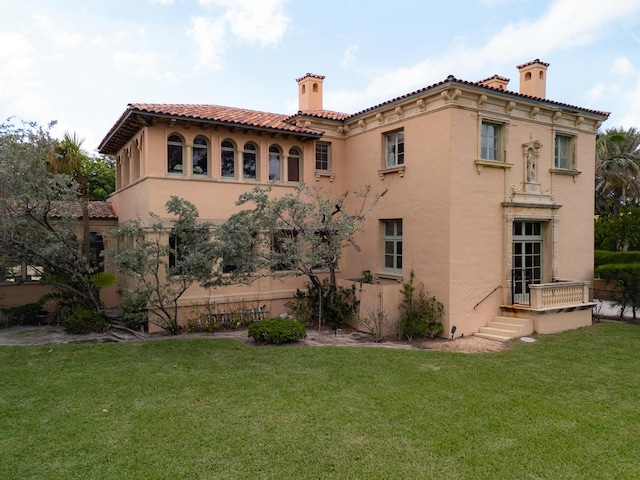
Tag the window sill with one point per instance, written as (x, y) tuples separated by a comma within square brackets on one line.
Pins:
[(324, 173), (399, 169), (562, 171), (491, 164)]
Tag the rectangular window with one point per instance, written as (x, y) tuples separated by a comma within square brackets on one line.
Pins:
[(394, 155), (564, 152), (491, 142), (392, 245), (323, 156)]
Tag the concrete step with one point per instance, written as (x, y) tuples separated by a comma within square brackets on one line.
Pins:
[(523, 325), (488, 336)]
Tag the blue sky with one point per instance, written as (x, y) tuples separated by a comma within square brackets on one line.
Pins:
[(81, 62)]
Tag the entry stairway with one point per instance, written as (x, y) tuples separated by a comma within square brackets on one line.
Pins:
[(504, 329)]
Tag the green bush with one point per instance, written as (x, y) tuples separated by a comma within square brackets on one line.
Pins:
[(29, 314), (84, 321), (339, 305), (277, 331), (134, 311), (605, 257), (420, 314)]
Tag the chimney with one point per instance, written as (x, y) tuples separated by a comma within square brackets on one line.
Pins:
[(310, 92), (497, 82), (533, 78)]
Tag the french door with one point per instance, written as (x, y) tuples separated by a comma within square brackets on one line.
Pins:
[(527, 259)]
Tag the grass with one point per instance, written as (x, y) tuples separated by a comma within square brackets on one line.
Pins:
[(563, 407)]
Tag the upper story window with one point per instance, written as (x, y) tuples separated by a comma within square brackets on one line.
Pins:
[(200, 156), (564, 156), (228, 160), (175, 151), (323, 156), (392, 245), (274, 163), (293, 165), (394, 149), (249, 161), (491, 142)]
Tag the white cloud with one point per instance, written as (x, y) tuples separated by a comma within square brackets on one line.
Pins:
[(596, 93), (161, 2), (566, 24), (349, 56), (57, 33), (623, 66), (209, 37), (146, 65), (261, 22)]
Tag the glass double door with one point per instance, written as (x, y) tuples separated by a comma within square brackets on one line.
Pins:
[(527, 259)]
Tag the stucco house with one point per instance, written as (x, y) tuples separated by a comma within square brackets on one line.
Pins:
[(489, 202)]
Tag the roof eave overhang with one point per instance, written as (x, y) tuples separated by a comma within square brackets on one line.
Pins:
[(149, 116)]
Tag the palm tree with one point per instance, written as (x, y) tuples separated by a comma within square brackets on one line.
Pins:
[(617, 169), (68, 159)]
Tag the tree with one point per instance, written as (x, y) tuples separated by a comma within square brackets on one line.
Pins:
[(68, 158), (164, 262), (305, 233), (617, 169), (100, 173), (39, 212), (618, 232)]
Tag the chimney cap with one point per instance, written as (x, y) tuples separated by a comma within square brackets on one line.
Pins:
[(310, 75), (537, 61)]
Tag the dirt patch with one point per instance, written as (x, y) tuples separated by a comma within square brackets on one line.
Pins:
[(43, 335)]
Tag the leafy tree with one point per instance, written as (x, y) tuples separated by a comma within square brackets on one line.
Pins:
[(617, 169), (161, 271), (618, 232), (304, 233), (68, 158), (100, 173), (38, 213)]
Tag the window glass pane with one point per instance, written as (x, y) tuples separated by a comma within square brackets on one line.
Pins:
[(200, 157), (322, 156), (228, 160), (399, 228), (174, 156), (249, 161), (399, 248), (274, 164), (388, 261), (388, 248), (389, 229)]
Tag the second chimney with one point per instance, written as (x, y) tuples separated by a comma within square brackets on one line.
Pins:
[(310, 92), (533, 79)]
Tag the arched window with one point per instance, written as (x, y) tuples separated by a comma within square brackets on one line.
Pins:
[(200, 156), (96, 247), (293, 165), (274, 163), (175, 148), (249, 161), (228, 160)]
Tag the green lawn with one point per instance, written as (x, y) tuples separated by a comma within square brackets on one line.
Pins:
[(566, 406)]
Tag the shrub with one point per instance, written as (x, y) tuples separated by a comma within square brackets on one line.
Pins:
[(420, 315), (339, 305), (84, 321), (29, 314), (135, 314), (277, 331)]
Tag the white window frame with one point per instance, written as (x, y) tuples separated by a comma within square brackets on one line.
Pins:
[(393, 240), (327, 145), (394, 148), (569, 158), (496, 151)]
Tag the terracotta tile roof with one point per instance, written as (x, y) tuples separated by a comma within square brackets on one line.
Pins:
[(135, 117), (532, 62), (97, 210), (138, 115), (325, 114), (312, 75), (495, 77), (451, 80)]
